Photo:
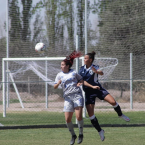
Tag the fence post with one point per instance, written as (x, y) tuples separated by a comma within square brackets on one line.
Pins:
[(131, 80), (4, 87), (46, 85)]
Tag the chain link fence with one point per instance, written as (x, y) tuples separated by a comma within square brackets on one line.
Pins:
[(115, 29)]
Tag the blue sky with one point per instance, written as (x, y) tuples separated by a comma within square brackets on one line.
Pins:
[(2, 16), (2, 6)]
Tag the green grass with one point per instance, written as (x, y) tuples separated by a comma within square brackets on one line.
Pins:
[(61, 136), (45, 118)]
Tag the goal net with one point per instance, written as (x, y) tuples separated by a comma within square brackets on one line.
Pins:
[(32, 80)]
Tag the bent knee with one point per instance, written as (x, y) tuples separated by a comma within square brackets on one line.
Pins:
[(113, 103)]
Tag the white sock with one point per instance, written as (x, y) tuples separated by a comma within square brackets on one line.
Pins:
[(92, 117), (71, 128), (80, 126), (115, 105)]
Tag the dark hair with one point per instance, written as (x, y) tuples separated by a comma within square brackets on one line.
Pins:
[(69, 59), (91, 55)]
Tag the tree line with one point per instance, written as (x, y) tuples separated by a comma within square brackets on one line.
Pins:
[(120, 23)]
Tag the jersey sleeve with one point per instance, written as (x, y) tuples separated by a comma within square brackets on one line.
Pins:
[(57, 78), (78, 77), (80, 70), (96, 67)]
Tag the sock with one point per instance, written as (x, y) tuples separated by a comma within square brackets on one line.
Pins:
[(80, 126), (95, 123), (118, 109), (71, 128)]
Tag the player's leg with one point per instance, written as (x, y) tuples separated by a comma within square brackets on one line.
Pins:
[(68, 118), (116, 107), (94, 121), (78, 112), (69, 109)]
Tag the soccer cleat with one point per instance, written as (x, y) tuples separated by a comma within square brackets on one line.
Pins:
[(101, 133), (124, 117), (80, 139), (73, 139)]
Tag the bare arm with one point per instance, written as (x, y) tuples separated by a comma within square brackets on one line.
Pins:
[(87, 84), (97, 71), (56, 85)]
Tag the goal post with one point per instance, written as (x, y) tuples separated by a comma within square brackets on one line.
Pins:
[(45, 68), (18, 60)]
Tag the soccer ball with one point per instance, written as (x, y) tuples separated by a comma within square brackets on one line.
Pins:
[(40, 47)]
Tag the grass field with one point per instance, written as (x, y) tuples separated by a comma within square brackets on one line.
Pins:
[(46, 118), (61, 136)]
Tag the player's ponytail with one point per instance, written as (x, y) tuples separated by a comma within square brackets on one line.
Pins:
[(91, 55), (69, 59)]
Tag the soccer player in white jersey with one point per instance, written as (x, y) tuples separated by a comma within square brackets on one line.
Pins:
[(90, 73), (72, 93)]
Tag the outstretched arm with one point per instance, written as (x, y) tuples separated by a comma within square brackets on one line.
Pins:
[(91, 86), (56, 85), (87, 84), (97, 71)]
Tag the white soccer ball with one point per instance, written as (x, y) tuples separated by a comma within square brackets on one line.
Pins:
[(40, 47)]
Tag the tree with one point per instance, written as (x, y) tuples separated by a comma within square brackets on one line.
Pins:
[(68, 15), (51, 21), (26, 12), (121, 27), (60, 25), (80, 22), (14, 14), (20, 30)]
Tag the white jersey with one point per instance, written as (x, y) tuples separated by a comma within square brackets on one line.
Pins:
[(69, 82)]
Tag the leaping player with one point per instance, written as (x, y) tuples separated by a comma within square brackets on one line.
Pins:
[(72, 93), (90, 73)]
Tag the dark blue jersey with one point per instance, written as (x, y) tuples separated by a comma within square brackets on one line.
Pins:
[(89, 76)]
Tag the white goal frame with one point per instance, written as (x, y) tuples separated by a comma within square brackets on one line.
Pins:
[(5, 74)]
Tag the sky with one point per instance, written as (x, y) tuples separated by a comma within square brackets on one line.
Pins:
[(2, 17)]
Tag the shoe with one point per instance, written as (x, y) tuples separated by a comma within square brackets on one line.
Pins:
[(80, 138), (101, 133), (73, 139), (124, 117)]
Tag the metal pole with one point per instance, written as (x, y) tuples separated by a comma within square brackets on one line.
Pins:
[(131, 81), (77, 60), (46, 86), (86, 2), (77, 48), (7, 50), (84, 109), (7, 27), (16, 90), (4, 88)]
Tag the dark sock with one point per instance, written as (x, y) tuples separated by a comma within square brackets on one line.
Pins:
[(96, 124), (118, 110)]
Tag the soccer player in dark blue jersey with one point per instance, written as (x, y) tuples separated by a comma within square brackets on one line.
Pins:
[(90, 73)]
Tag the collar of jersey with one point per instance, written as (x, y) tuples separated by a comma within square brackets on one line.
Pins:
[(87, 69), (67, 72)]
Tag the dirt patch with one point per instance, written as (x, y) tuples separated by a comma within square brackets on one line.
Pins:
[(55, 103)]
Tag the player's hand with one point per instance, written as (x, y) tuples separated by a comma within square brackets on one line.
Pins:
[(96, 87), (79, 84), (59, 82), (93, 69)]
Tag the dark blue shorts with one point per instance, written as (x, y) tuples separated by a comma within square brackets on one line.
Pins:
[(91, 94)]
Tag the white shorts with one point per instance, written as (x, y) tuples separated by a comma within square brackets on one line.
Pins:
[(72, 101)]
